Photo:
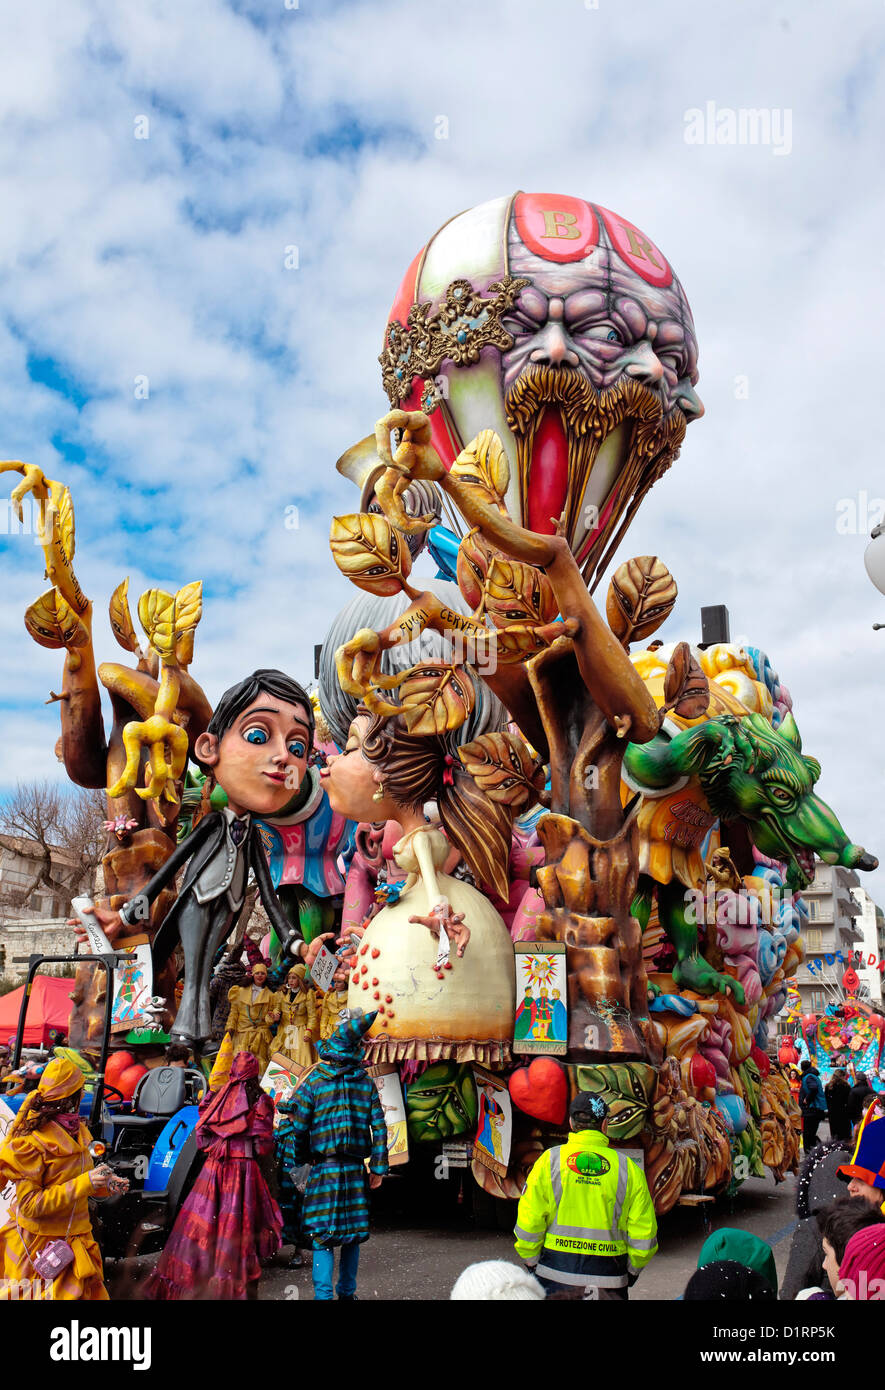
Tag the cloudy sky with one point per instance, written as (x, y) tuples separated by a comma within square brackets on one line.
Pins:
[(125, 258)]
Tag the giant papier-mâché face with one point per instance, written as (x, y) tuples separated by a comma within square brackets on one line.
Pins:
[(562, 327)]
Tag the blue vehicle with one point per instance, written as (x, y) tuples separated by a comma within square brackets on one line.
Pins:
[(150, 1141)]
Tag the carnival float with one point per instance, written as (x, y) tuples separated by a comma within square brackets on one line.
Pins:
[(559, 855), (848, 1034)]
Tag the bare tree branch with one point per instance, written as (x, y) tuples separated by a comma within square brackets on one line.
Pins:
[(65, 834)]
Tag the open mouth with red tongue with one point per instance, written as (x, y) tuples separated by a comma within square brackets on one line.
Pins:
[(587, 456), (548, 474), (549, 482)]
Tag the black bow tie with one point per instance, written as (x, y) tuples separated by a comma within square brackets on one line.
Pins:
[(238, 831)]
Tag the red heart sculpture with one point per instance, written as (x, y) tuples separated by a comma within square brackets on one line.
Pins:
[(541, 1090)]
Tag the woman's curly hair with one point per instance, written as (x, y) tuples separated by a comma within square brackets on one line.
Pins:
[(42, 1111), (420, 768)]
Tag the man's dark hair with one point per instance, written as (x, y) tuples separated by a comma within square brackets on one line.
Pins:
[(239, 697), (803, 1066), (178, 1052), (839, 1222)]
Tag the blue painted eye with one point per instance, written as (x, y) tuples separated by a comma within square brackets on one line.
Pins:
[(297, 749), (613, 336), (255, 736)]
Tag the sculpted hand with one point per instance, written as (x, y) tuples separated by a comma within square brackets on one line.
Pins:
[(108, 918), (456, 930), (167, 749), (316, 946)]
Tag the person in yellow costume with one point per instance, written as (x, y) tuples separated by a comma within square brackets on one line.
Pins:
[(253, 1010), (46, 1155), (299, 1024), (334, 1000)]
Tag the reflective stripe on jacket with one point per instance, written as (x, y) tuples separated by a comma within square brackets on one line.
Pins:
[(586, 1214)]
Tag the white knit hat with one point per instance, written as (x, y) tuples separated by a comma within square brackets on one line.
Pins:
[(497, 1280)]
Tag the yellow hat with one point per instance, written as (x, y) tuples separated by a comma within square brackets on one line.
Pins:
[(220, 1073), (60, 1080)]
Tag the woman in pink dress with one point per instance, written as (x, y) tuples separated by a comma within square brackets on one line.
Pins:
[(230, 1222)]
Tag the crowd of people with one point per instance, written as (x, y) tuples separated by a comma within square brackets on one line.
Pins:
[(329, 1149), (299, 1174), (837, 1252), (841, 1102)]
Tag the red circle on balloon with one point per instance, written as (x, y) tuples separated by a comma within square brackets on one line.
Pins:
[(635, 248), (556, 226)]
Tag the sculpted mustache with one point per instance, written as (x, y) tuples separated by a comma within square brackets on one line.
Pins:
[(585, 410), (588, 417)]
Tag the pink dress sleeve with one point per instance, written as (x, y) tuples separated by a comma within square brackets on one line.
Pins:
[(359, 894)]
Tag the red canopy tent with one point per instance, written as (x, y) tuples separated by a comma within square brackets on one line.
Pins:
[(49, 1009)]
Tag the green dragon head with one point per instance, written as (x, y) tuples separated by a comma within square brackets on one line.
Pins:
[(751, 772)]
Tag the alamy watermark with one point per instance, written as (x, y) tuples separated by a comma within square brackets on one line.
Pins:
[(770, 126), (474, 649), (37, 519), (858, 516)]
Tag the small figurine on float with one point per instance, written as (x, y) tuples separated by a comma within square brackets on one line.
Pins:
[(256, 747), (333, 1001), (254, 1009)]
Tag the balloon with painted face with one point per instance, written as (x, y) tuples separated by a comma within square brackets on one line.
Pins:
[(561, 326)]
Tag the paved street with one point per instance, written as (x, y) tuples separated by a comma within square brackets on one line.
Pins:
[(425, 1233), (420, 1263)]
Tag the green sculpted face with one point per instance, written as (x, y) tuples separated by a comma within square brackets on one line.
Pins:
[(749, 771)]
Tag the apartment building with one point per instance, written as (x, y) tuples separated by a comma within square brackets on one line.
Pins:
[(833, 926), (872, 926)]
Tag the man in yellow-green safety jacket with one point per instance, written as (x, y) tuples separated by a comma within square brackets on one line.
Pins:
[(586, 1219)]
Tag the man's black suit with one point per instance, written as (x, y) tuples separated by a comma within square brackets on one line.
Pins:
[(217, 870)]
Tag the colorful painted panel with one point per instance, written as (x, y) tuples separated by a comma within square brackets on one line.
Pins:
[(541, 1014)]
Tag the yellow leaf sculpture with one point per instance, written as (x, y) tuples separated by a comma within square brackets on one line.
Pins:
[(435, 698), (188, 612), (475, 555), (502, 766), (519, 600), (169, 621), (62, 505), (122, 625), (156, 611), (53, 623), (517, 592), (641, 596), (484, 465), (370, 552)]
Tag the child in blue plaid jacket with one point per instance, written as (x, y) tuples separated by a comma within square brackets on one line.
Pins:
[(336, 1124)]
